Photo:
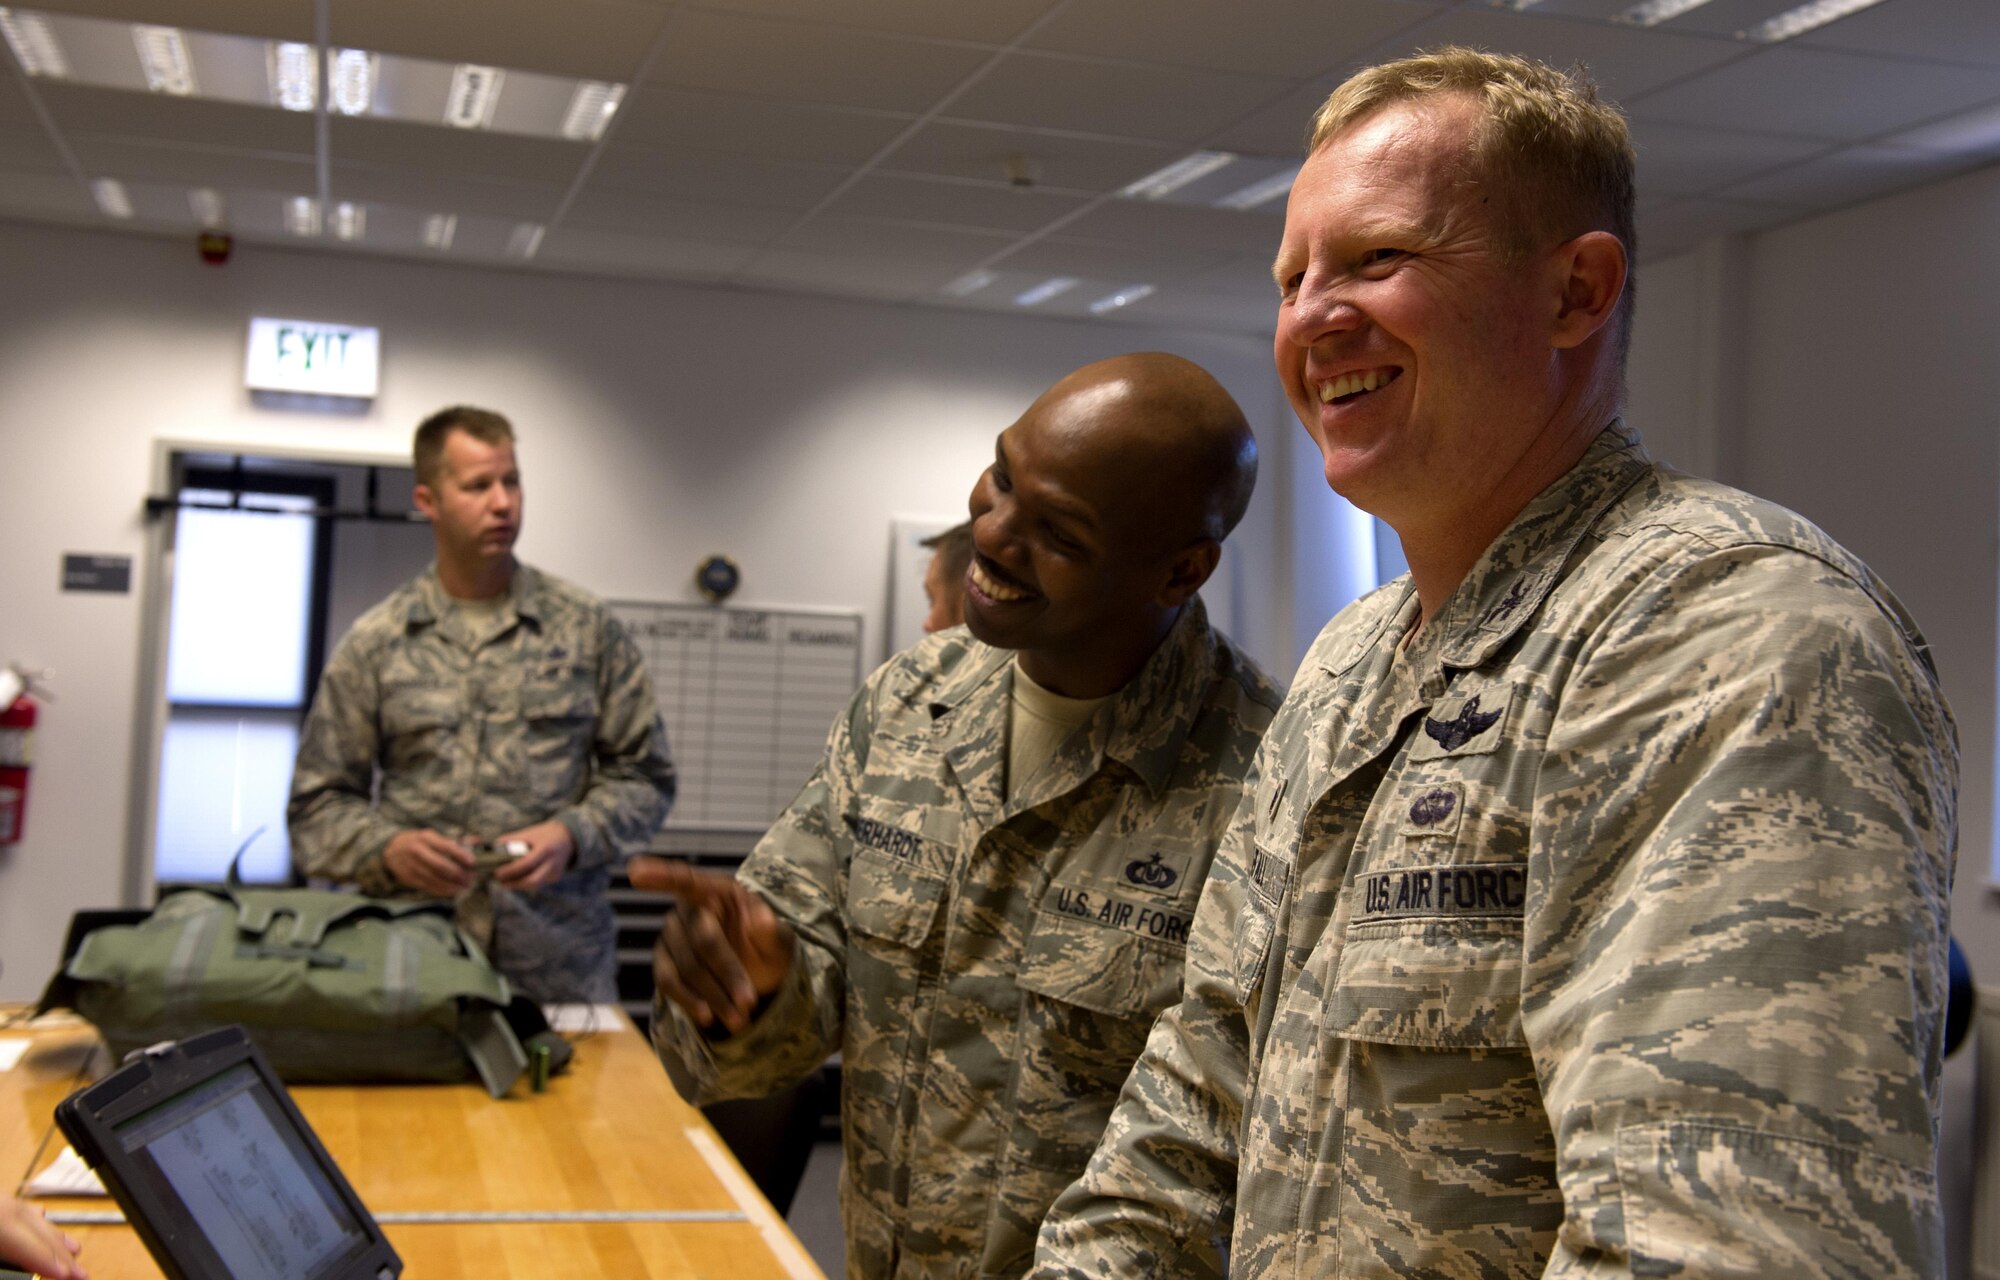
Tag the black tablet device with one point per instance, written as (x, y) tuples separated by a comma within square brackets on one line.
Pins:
[(217, 1170)]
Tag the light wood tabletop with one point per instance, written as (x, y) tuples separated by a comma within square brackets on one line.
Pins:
[(607, 1173)]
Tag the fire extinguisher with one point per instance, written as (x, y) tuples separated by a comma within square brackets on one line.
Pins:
[(17, 752)]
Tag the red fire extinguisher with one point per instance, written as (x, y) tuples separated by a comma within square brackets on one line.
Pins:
[(17, 752)]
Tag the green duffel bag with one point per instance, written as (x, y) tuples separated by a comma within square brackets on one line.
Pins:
[(332, 986)]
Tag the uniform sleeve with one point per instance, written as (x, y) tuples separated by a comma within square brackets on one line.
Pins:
[(800, 868), (632, 774), (337, 833), (1736, 929), (1158, 1194)]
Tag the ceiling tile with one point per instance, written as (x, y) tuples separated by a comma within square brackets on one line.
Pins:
[(655, 115), (1974, 133), (702, 175), (15, 108), (168, 119), (1819, 93), (800, 62), (889, 278), (1292, 38), (989, 206), (1202, 309), (862, 238), (1625, 61), (1183, 226), (1718, 18), (1279, 127), (1125, 100), (593, 249), (1849, 176), (41, 193), (1118, 263), (433, 149), (1681, 160), (1946, 30), (274, 19), (676, 219), (1073, 164), (191, 166), (430, 193), (30, 149), (593, 39), (989, 21), (1680, 225)]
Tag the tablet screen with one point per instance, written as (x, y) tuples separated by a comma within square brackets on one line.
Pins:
[(227, 1153)]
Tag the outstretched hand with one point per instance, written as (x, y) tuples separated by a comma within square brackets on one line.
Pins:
[(721, 950), (29, 1240)]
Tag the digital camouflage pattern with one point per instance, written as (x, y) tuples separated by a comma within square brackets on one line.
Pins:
[(1599, 932), (986, 968), (478, 728)]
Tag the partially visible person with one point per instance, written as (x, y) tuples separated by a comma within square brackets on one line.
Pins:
[(486, 734), (944, 576), (1586, 914), (981, 899), (31, 1243)]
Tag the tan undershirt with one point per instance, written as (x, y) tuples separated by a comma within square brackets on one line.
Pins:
[(1038, 723)]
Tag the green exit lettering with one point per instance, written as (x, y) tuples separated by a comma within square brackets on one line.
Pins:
[(305, 347)]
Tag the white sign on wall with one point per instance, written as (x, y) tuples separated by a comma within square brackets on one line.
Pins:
[(312, 357)]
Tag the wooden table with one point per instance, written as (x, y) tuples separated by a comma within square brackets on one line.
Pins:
[(609, 1135)]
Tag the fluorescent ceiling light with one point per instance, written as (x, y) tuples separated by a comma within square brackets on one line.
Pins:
[(206, 205), (1123, 298), (1045, 290), (350, 220), (302, 216), (527, 238), (475, 91), (111, 198), (164, 56), (590, 111), (439, 228), (1796, 22), (969, 283), (1277, 185), (1177, 175), (28, 35), (1653, 12), (294, 71), (351, 79)]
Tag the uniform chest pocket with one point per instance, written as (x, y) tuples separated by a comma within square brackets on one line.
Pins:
[(1434, 983), (891, 899), (1097, 967), (417, 720), (558, 702)]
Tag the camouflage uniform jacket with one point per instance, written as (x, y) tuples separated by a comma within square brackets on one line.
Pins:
[(1599, 932), (986, 968), (552, 716)]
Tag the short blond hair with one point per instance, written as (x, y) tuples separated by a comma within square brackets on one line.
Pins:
[(1555, 159)]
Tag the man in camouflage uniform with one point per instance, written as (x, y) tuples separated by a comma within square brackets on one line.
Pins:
[(982, 930), (519, 751), (1586, 911)]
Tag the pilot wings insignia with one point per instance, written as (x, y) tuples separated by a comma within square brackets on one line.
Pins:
[(1468, 724)]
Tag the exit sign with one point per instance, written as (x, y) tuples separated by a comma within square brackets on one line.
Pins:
[(311, 357)]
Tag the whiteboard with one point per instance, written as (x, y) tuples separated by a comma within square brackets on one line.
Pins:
[(748, 696)]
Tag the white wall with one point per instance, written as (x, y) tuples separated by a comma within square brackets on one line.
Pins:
[(657, 424)]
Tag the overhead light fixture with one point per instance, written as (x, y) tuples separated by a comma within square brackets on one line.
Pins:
[(1653, 12), (1277, 185), (302, 216), (439, 228), (1047, 289), (163, 54), (34, 45), (294, 72), (351, 81), (475, 91), (350, 220), (591, 109), (1123, 298), (969, 283), (206, 205), (1807, 17), (1187, 169), (527, 238), (111, 198)]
